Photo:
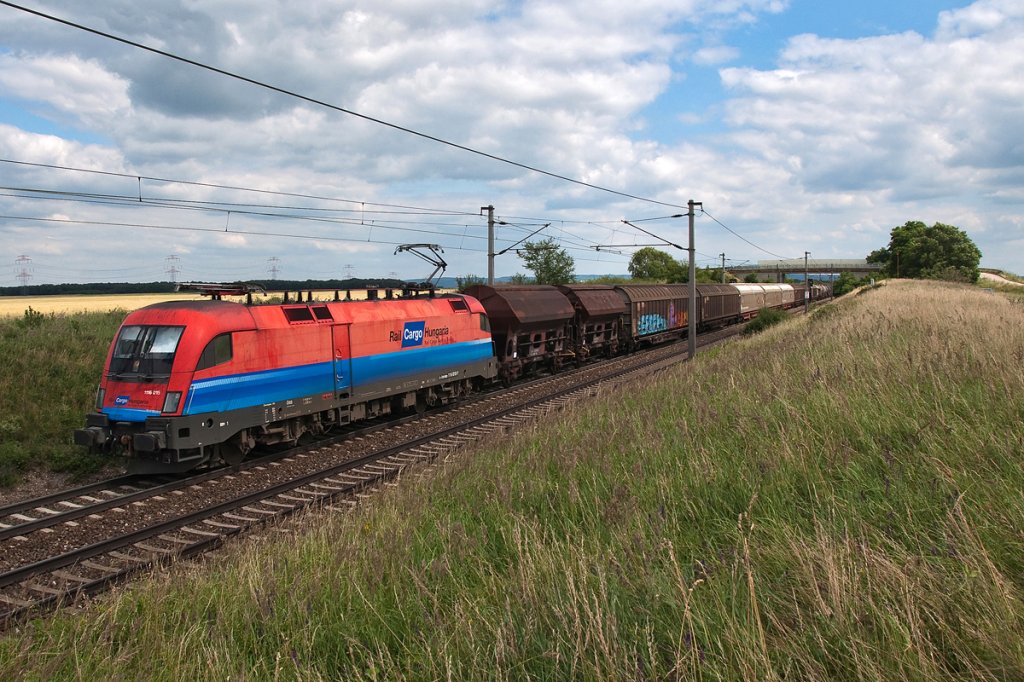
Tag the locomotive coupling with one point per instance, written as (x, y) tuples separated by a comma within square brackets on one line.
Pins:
[(149, 441), (91, 437), (95, 433)]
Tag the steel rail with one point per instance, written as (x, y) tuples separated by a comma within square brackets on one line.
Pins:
[(127, 498), (89, 586), (67, 493), (111, 544)]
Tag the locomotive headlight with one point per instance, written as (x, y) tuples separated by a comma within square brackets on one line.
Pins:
[(100, 394), (171, 401)]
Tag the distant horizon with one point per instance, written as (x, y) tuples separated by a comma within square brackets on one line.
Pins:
[(366, 283)]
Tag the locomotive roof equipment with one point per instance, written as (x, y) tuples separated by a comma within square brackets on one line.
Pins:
[(216, 290), (435, 260)]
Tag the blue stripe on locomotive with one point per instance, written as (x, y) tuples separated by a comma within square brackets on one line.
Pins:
[(371, 369), (128, 414), (233, 392), (259, 388)]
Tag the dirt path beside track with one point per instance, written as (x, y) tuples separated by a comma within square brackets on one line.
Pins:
[(999, 279)]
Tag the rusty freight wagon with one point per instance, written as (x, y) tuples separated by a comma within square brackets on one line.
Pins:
[(531, 327), (599, 309), (655, 312), (717, 305)]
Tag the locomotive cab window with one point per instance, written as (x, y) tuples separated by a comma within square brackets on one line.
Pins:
[(485, 324), (217, 352), (144, 352), (458, 305)]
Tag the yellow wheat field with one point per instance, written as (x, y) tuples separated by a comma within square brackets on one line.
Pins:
[(15, 306)]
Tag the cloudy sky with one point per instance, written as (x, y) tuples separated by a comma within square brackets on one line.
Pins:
[(800, 125)]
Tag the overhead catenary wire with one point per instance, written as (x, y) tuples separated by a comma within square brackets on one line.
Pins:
[(327, 105), (211, 185), (232, 231), (227, 208), (140, 199), (402, 208), (340, 109), (738, 235), (353, 222)]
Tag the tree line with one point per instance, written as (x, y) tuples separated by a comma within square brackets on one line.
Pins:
[(914, 251)]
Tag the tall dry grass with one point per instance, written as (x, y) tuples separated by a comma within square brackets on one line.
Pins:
[(836, 498), (51, 366)]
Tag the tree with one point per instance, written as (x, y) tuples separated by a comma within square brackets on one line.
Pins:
[(708, 275), (844, 284), (937, 252), (463, 283), (751, 278), (551, 264), (652, 263), (610, 279)]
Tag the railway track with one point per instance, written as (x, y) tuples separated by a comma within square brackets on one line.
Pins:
[(41, 513), (53, 559), (38, 512)]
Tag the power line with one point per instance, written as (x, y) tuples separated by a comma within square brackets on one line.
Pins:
[(23, 264), (736, 234), (135, 200), (178, 228), (134, 203), (327, 105), (210, 185), (172, 267)]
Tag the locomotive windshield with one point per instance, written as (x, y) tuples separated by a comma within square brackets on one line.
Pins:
[(144, 352)]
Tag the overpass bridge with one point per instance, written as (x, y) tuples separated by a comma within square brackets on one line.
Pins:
[(817, 268)]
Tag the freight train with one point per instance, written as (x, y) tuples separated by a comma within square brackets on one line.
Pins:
[(189, 384)]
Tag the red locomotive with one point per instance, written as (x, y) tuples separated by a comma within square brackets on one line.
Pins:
[(195, 382)]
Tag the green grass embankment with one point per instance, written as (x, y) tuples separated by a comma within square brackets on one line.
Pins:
[(51, 367), (836, 498)]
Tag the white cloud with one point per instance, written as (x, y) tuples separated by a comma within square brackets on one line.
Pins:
[(52, 149), (82, 87), (719, 54), (838, 143), (914, 127)]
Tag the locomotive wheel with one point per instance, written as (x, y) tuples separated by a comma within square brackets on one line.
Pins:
[(231, 453)]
